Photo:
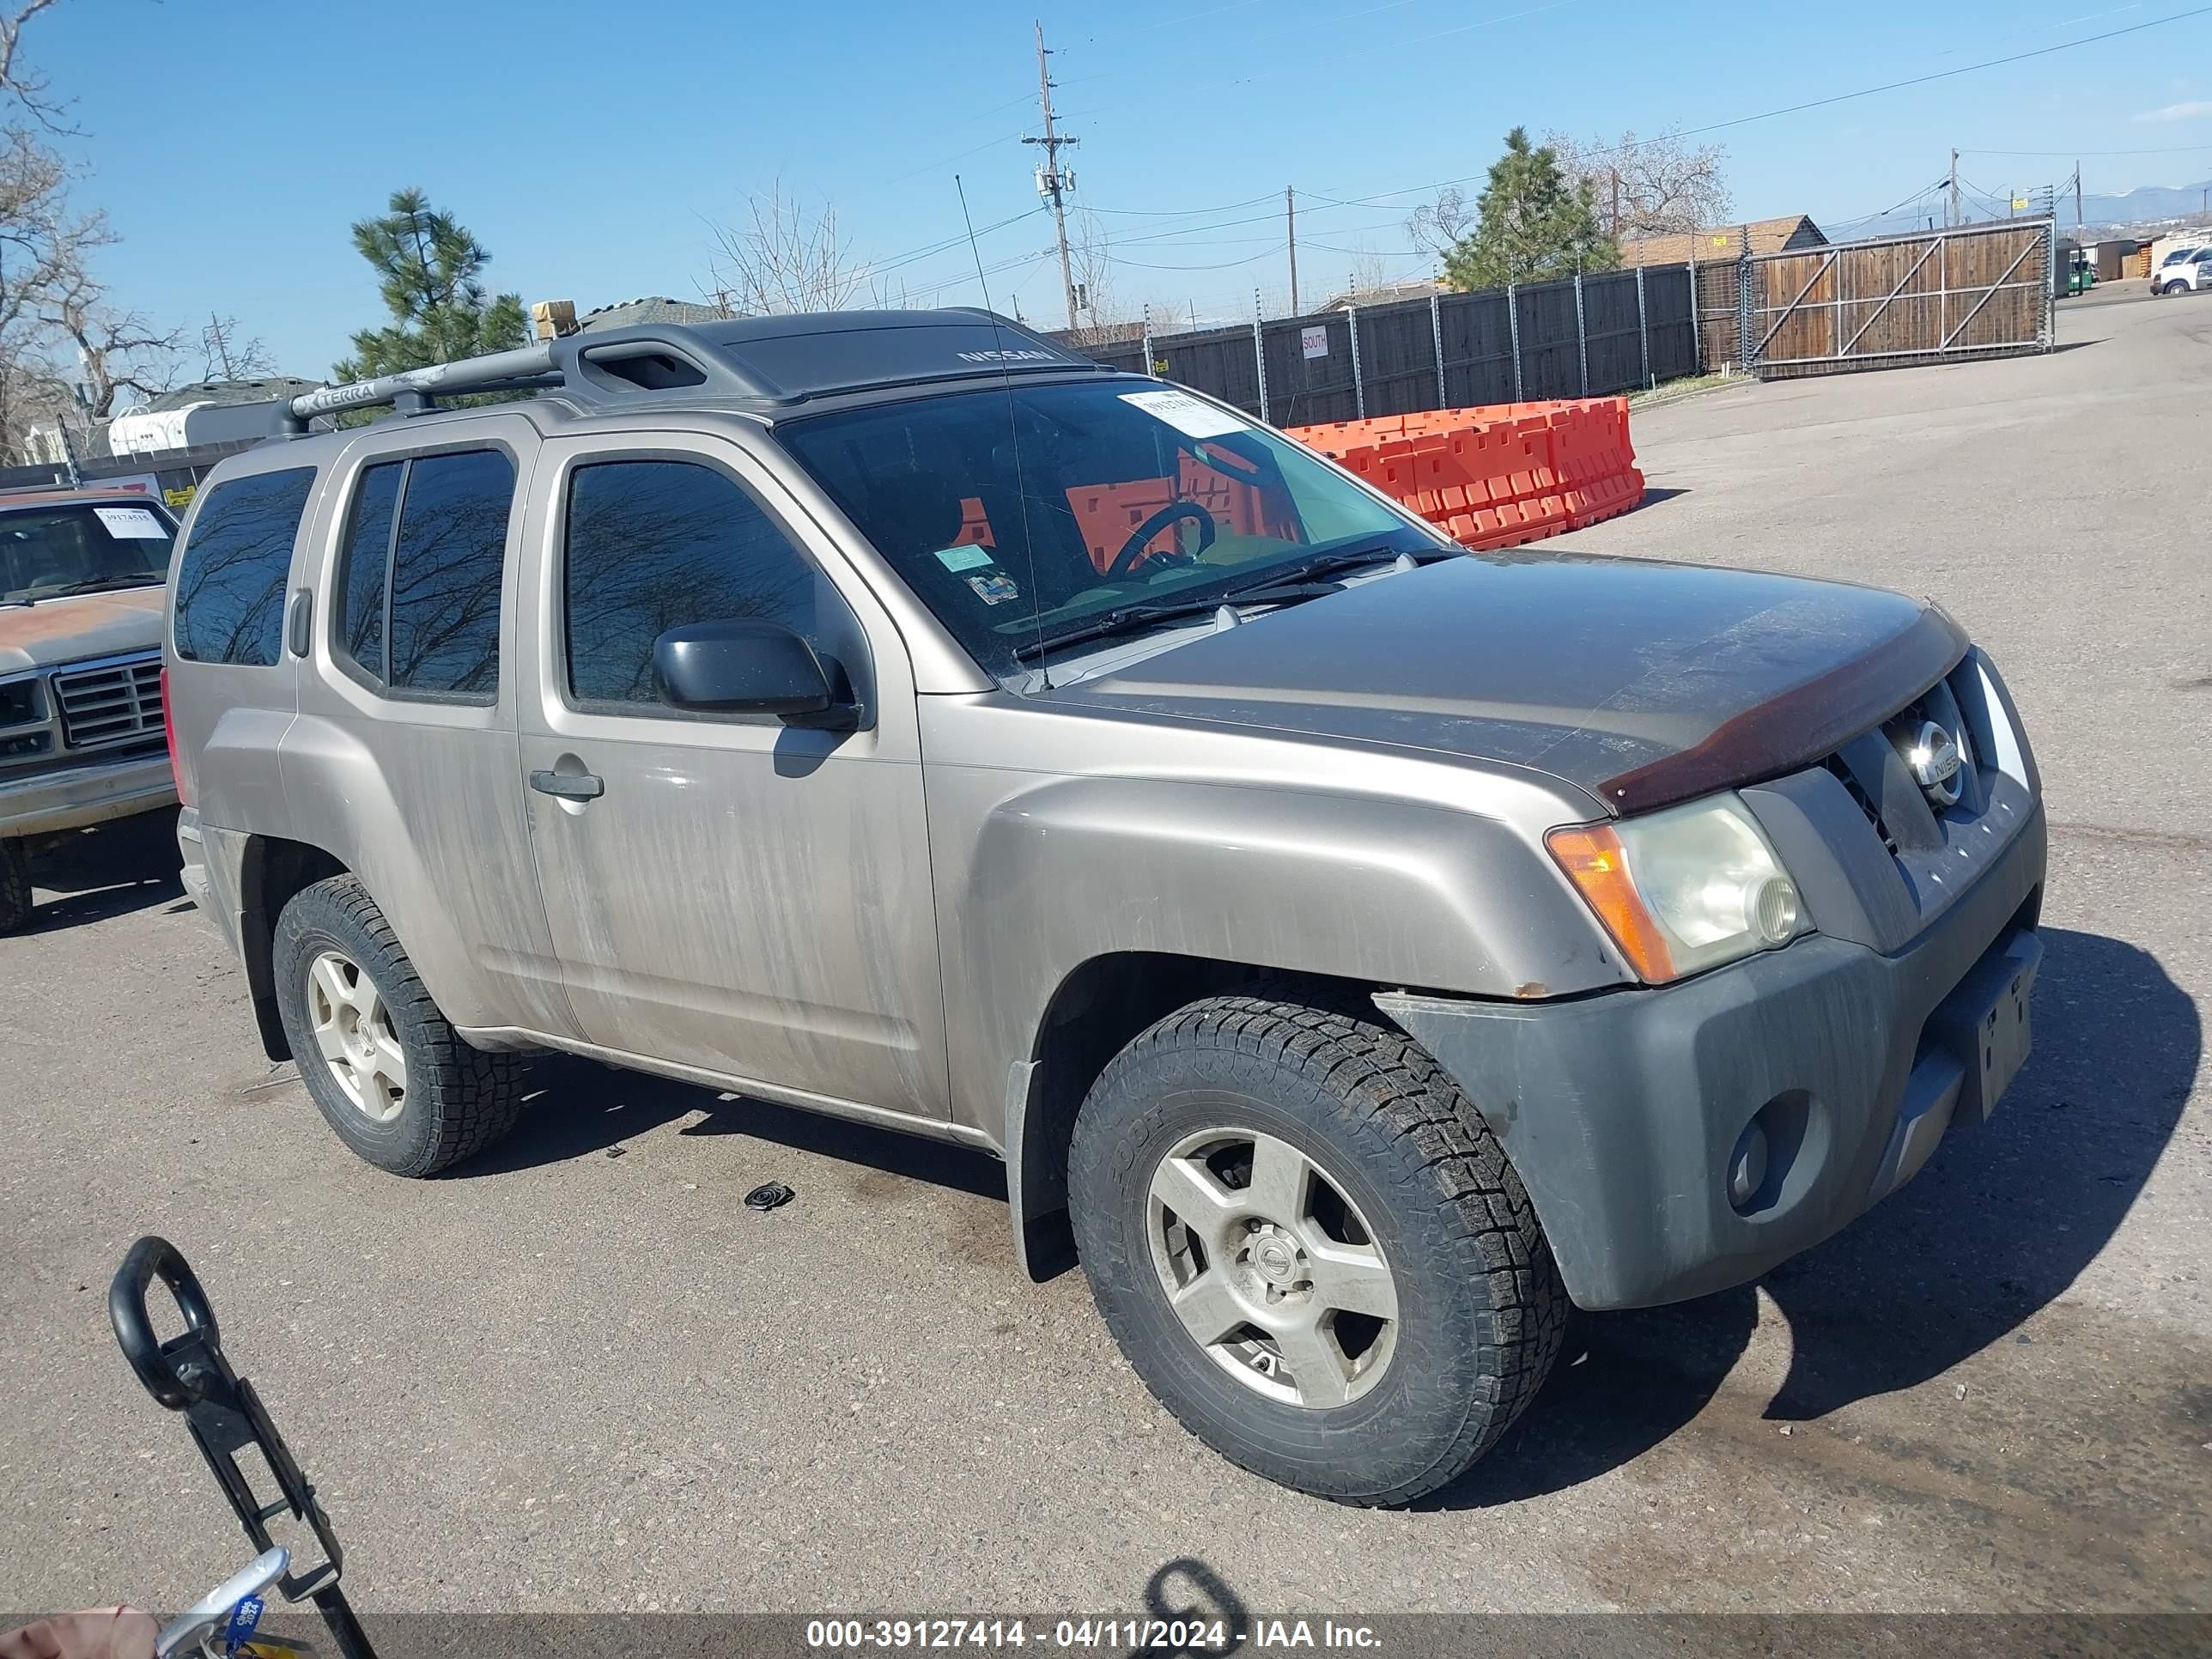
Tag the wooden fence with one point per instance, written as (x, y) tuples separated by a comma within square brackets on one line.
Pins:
[(1982, 291)]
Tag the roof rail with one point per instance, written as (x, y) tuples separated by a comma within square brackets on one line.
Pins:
[(770, 361), (484, 373)]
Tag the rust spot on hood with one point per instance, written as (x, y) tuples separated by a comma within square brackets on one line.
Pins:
[(90, 625), (1533, 989)]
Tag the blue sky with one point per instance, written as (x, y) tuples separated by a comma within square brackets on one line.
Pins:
[(590, 147)]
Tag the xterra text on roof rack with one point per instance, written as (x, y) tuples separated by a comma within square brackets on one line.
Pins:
[(1359, 949)]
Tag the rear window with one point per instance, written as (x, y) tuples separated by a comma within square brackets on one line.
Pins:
[(418, 594), (230, 581)]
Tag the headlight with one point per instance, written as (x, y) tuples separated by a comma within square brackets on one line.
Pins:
[(22, 702), (1683, 889)]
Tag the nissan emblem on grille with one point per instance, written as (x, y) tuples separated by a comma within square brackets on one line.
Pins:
[(1933, 758)]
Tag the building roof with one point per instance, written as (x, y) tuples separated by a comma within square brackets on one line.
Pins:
[(654, 309), (1723, 241), (1383, 294)]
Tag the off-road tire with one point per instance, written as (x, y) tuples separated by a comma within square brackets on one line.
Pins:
[(460, 1099), (1481, 1308), (15, 884)]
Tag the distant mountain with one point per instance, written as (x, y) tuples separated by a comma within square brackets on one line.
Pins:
[(2144, 205)]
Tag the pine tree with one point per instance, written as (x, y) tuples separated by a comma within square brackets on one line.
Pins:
[(429, 269), (1535, 224)]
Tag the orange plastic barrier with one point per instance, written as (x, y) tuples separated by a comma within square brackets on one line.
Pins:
[(1499, 474)]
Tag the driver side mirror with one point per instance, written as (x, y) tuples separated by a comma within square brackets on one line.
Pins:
[(741, 665)]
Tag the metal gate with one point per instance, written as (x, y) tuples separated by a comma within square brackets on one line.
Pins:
[(1935, 296)]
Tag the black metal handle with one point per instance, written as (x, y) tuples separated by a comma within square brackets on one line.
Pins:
[(134, 1331), (568, 786)]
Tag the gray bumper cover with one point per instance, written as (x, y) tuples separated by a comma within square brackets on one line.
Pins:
[(1621, 1111)]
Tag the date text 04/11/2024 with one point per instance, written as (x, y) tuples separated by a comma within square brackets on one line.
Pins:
[(1166, 1635)]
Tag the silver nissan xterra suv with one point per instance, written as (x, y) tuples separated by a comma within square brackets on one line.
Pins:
[(1358, 949)]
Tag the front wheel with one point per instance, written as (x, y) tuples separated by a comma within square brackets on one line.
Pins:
[(2175, 287), (1311, 1249)]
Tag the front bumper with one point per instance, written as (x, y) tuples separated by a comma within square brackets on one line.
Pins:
[(71, 798), (1622, 1112)]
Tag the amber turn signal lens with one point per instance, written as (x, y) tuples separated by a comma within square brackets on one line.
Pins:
[(1595, 861)]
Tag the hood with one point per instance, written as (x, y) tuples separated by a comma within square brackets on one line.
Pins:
[(55, 631), (1643, 682)]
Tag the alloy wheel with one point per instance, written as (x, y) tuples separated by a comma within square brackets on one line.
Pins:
[(354, 1032), (1271, 1267)]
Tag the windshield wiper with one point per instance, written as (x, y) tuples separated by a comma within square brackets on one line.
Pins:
[(1121, 620), (1124, 619), (1330, 563), (101, 585)]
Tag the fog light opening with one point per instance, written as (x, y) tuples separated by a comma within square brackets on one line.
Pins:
[(1766, 1156)]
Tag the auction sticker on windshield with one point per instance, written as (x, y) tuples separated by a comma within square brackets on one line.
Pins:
[(131, 524), (1186, 413)]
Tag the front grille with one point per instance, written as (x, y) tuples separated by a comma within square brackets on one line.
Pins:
[(116, 702), (1841, 768)]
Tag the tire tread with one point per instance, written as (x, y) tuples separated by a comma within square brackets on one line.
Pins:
[(1457, 1172), (471, 1094)]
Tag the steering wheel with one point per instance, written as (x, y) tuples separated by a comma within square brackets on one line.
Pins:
[(1133, 552)]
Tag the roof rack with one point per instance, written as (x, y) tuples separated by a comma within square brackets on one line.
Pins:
[(766, 362)]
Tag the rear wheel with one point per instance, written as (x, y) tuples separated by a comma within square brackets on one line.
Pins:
[(387, 1070), (1311, 1249), (15, 884)]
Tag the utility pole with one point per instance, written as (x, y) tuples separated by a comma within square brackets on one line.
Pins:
[(2077, 195), (1950, 214), (221, 346), (1290, 229), (1052, 182)]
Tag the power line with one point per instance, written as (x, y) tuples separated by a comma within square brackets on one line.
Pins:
[(1269, 252), (1923, 79), (2171, 150), (1319, 201)]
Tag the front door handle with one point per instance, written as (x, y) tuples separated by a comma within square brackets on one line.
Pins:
[(568, 786)]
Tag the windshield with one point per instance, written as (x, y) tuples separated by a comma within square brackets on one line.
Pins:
[(1033, 515), (49, 552)]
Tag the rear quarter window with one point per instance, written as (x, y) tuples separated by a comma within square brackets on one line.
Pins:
[(231, 577)]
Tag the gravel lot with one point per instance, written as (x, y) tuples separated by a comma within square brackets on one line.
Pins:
[(564, 1379)]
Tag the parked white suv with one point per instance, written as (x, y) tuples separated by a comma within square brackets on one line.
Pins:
[(2185, 269)]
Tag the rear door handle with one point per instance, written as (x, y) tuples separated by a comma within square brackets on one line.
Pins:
[(569, 786)]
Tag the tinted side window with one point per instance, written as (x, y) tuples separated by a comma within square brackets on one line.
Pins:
[(651, 544), (358, 618), (443, 635), (230, 581)]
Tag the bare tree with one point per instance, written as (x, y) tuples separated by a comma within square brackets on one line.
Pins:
[(25, 86), (1439, 226), (117, 351), (786, 256), (67, 356), (1090, 260), (227, 354), (1654, 187)]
